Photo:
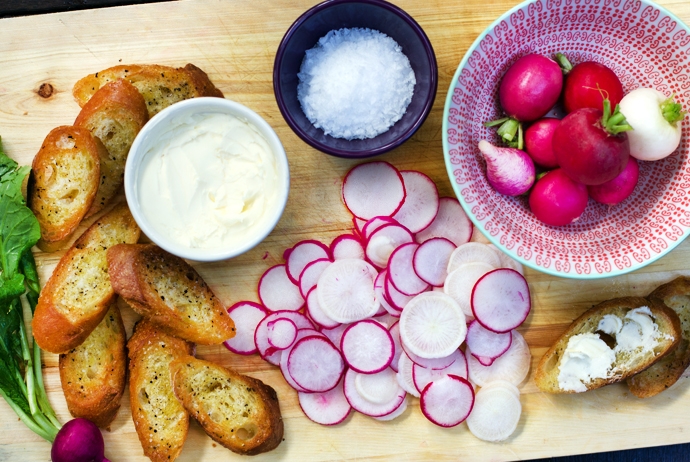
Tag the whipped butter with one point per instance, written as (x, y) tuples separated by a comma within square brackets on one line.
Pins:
[(210, 181)]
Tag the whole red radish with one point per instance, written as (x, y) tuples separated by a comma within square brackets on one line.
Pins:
[(620, 188), (588, 84), (538, 142), (591, 146), (556, 199)]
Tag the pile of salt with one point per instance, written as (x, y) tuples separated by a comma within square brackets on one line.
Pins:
[(355, 83)]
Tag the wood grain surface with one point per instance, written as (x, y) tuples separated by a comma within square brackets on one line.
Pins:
[(234, 42)]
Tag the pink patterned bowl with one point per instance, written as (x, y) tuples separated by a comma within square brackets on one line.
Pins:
[(645, 45)]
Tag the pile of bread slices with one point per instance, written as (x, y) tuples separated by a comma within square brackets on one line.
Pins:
[(77, 172)]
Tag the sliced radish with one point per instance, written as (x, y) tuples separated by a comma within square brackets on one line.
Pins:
[(502, 384), (379, 290), (421, 203), (384, 241), (334, 334), (367, 346), (357, 225), (507, 261), (430, 363), (282, 333), (246, 316), (501, 300), (277, 292), (347, 246), (346, 290), (315, 364), (316, 313), (375, 223), (360, 404), (448, 401), (378, 388), (473, 252), (461, 281), (401, 270), (397, 299), (486, 345), (264, 348), (405, 376), (512, 366), (303, 253), (422, 376), (396, 413), (285, 355), (432, 325), (311, 274), (451, 222), (373, 189), (495, 415), (431, 258), (394, 330), (325, 408)]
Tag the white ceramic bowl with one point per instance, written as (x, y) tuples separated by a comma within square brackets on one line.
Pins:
[(140, 154)]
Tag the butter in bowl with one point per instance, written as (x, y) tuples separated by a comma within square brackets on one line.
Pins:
[(207, 179)]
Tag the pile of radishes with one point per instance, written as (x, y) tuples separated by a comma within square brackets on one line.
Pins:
[(383, 312), (592, 152)]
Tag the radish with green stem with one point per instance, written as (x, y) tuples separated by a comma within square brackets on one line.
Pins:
[(509, 171), (656, 122)]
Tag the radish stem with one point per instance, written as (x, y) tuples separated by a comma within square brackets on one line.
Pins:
[(508, 130), (672, 111), (615, 122), (565, 65)]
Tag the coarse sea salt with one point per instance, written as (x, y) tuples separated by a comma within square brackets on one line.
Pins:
[(355, 83)]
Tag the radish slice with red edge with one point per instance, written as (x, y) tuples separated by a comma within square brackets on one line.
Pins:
[(383, 242), (486, 345), (404, 375), (394, 330), (346, 290), (461, 281), (512, 366), (246, 316), (393, 296), (422, 376), (282, 333), (450, 222), (448, 401), (284, 356), (373, 189), (277, 292), (432, 325), (375, 223), (401, 270), (315, 364), (316, 313), (430, 261), (264, 348), (501, 300), (379, 290), (360, 404), (334, 334), (303, 253), (347, 246), (472, 252), (310, 275), (367, 346), (421, 202), (357, 225), (325, 408), (378, 388), (495, 415), (429, 363), (395, 414)]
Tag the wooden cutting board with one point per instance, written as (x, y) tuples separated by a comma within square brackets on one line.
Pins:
[(235, 41)]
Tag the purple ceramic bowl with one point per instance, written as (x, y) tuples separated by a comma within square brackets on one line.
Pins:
[(337, 14)]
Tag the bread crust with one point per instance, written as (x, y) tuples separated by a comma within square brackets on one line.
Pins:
[(64, 179), (169, 292), (546, 376), (237, 411), (78, 293), (93, 375), (160, 420)]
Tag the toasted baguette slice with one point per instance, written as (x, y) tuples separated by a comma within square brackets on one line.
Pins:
[(93, 375), (114, 115), (169, 292), (665, 372), (63, 181), (627, 362), (159, 418), (239, 412), (78, 293), (160, 86)]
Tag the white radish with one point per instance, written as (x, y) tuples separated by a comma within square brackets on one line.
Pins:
[(383, 242), (512, 366), (366, 407), (367, 346), (373, 189), (486, 345), (347, 246), (282, 333), (277, 292), (378, 388), (401, 270), (502, 384), (421, 203), (495, 415), (450, 222), (246, 316), (501, 300), (431, 258), (432, 325), (346, 290), (461, 281), (268, 352), (311, 274), (448, 401), (325, 408), (315, 364), (472, 252), (405, 376), (303, 253), (316, 313)]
